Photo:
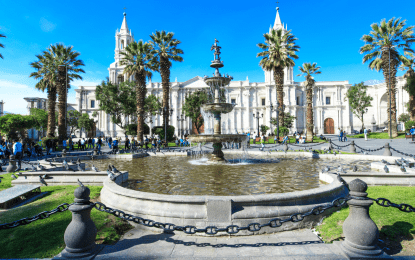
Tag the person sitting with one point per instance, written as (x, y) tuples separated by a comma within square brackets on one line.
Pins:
[(297, 138), (285, 139), (322, 137), (177, 142), (412, 132), (302, 140)]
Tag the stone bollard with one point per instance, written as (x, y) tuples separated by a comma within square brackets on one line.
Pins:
[(330, 146), (352, 147), (387, 151), (64, 153), (285, 147), (361, 233), (12, 165), (81, 232)]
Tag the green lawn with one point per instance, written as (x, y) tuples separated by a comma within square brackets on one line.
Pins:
[(44, 238), (377, 135), (395, 227)]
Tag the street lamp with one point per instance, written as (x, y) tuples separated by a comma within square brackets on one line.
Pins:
[(271, 109), (390, 91), (258, 117)]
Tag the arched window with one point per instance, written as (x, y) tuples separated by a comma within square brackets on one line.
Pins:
[(122, 44)]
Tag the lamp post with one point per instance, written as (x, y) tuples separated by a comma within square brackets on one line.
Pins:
[(165, 115), (181, 119), (257, 118), (271, 109)]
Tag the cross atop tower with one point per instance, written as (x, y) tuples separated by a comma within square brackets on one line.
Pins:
[(277, 5), (124, 11)]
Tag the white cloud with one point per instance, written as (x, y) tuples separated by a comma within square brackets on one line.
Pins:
[(46, 25), (7, 85)]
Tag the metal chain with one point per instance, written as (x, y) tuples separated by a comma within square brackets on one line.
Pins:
[(341, 146), (369, 150), (406, 154), (387, 203), (231, 229), (308, 146), (42, 215)]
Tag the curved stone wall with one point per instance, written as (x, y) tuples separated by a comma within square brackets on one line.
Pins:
[(221, 211)]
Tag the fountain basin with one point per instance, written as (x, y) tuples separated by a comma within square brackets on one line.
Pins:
[(221, 211), (222, 108), (217, 138)]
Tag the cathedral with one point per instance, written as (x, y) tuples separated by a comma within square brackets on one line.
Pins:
[(331, 111)]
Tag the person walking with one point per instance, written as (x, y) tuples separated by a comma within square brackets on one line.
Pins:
[(365, 132), (412, 132), (17, 151), (344, 136), (127, 143), (341, 136), (99, 143), (110, 142)]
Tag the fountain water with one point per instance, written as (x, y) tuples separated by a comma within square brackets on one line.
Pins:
[(217, 83)]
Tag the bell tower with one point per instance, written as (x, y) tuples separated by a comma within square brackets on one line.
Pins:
[(123, 37)]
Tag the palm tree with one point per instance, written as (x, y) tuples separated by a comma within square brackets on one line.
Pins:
[(51, 71), (308, 70), (388, 39), (165, 50), (408, 64), (64, 60), (279, 50), (46, 82), (1, 45), (139, 60)]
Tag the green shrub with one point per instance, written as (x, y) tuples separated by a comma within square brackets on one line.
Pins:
[(283, 131), (409, 124), (160, 131), (131, 129)]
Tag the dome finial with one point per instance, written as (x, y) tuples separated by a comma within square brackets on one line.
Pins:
[(125, 14), (277, 5)]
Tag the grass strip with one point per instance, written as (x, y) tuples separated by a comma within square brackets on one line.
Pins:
[(401, 135)]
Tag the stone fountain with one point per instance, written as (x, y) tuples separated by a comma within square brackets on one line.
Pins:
[(217, 107)]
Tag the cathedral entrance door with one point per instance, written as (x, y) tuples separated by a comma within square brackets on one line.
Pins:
[(329, 126)]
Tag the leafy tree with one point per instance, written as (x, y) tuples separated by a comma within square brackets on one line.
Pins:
[(152, 106), (160, 131), (139, 61), (14, 126), (2, 45), (408, 64), (85, 122), (165, 50), (278, 53), (72, 121), (118, 101), (359, 100), (283, 131), (404, 118), (308, 70), (264, 129), (388, 39), (40, 118), (288, 121), (192, 106), (132, 129)]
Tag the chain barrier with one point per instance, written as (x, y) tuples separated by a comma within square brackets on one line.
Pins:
[(308, 146), (369, 150), (406, 154), (341, 146), (387, 203), (231, 229), (42, 215)]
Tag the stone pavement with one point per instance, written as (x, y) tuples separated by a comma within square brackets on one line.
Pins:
[(299, 244)]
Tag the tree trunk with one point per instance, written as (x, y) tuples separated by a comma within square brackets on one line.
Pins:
[(51, 111), (165, 82), (412, 107), (391, 83), (141, 94), (62, 102), (310, 116), (279, 85)]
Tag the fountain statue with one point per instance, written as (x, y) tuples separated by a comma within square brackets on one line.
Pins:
[(217, 83)]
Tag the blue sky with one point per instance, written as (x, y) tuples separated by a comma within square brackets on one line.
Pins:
[(328, 33)]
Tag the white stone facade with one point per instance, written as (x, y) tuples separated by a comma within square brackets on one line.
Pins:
[(250, 97)]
